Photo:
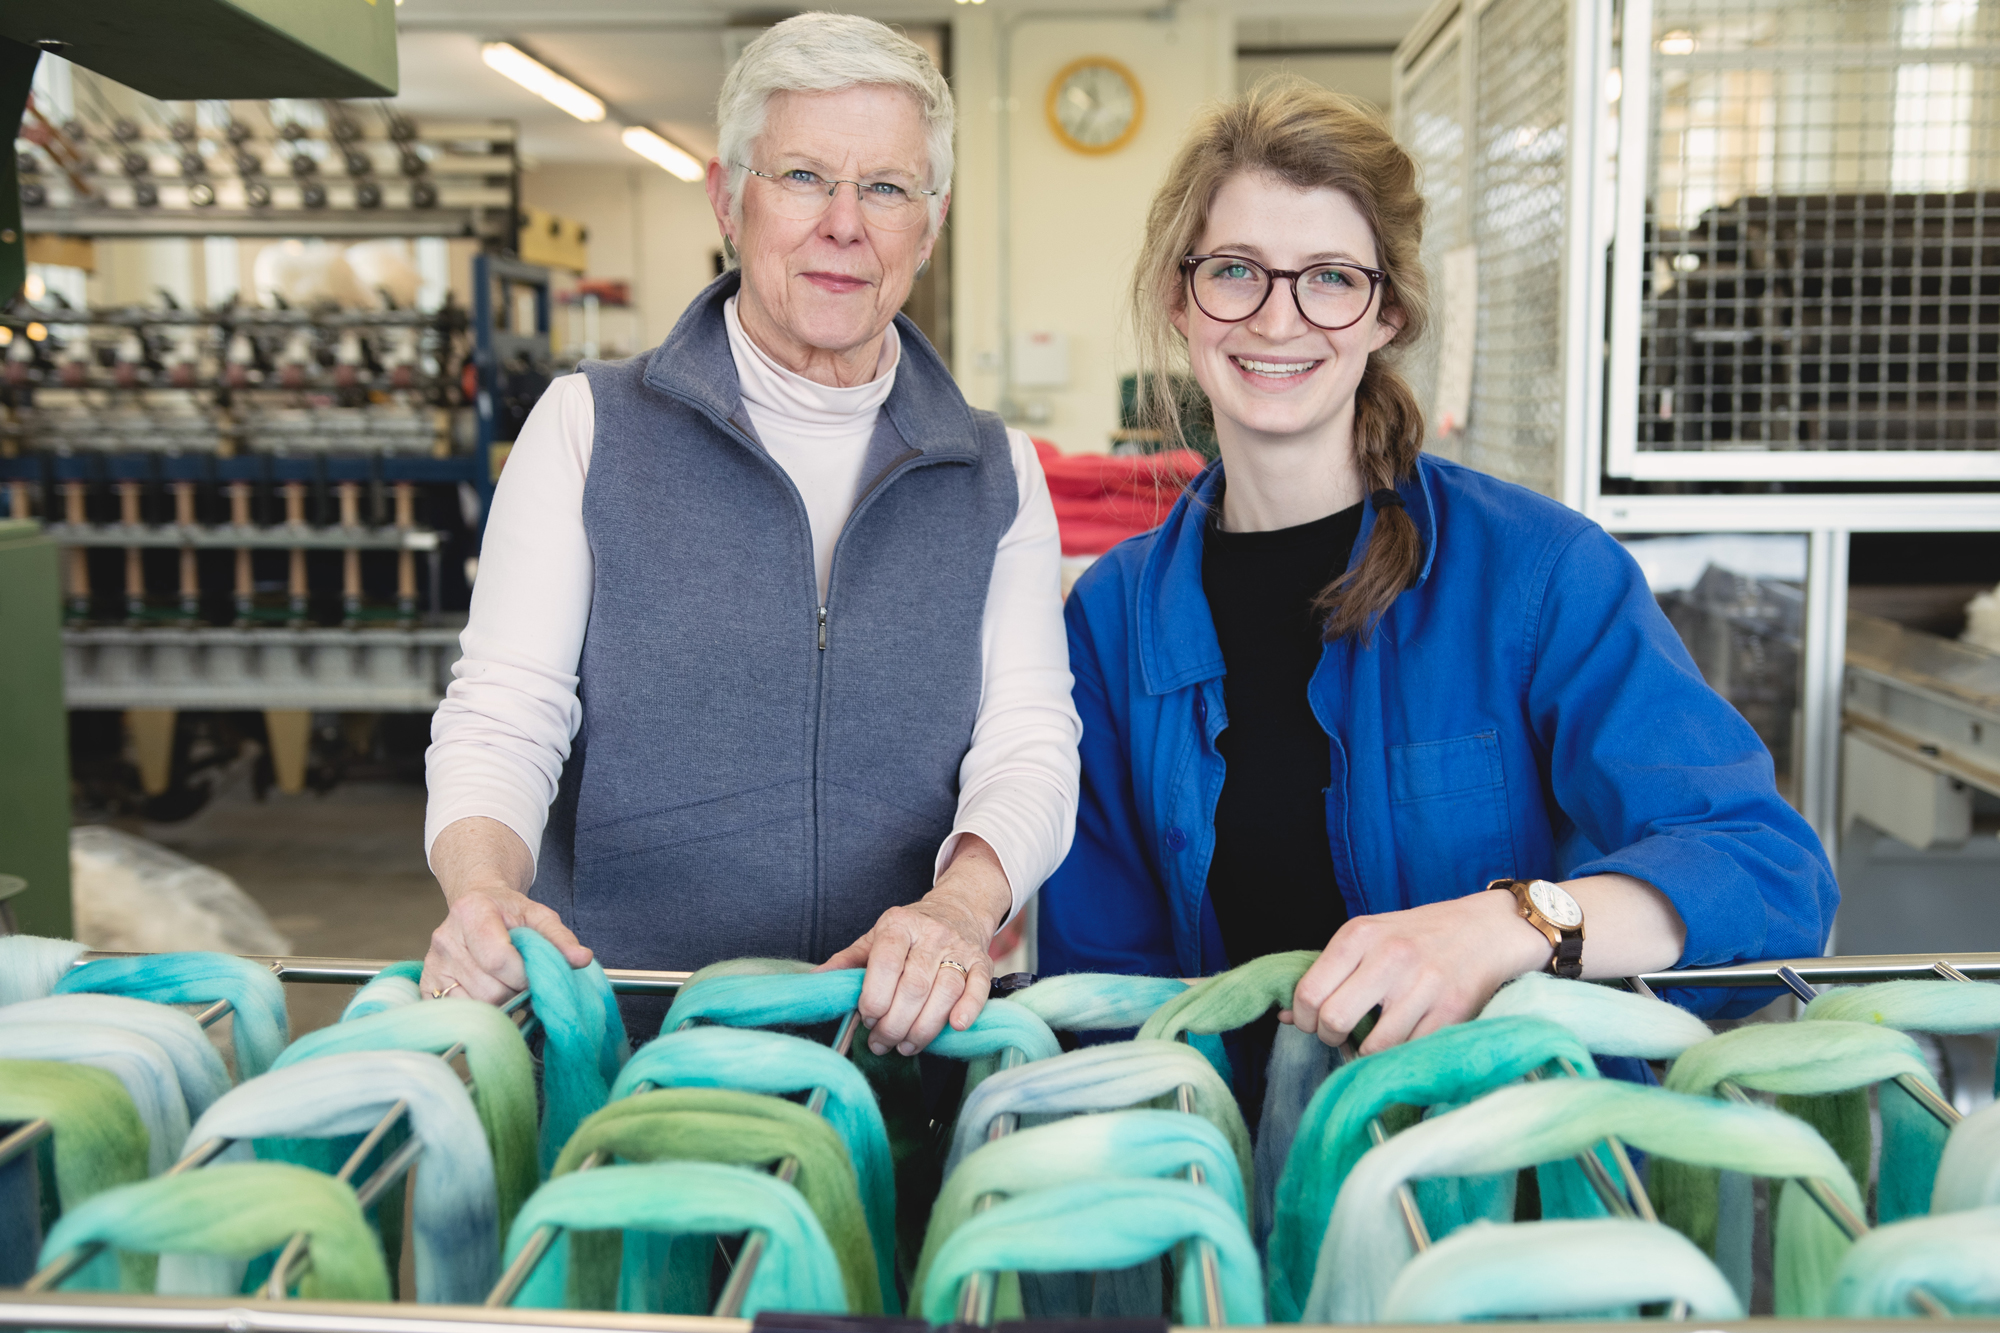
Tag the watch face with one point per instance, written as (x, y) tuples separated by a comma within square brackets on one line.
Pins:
[(1554, 902)]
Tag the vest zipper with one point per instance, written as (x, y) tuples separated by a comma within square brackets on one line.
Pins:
[(822, 629)]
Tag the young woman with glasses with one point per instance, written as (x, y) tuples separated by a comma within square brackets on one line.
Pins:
[(1346, 688)]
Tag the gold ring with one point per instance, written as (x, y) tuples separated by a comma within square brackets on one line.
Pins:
[(440, 994), (946, 962)]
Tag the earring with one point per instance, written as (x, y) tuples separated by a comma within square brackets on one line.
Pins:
[(729, 249), (923, 268)]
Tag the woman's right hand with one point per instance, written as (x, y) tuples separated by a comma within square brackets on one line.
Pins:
[(482, 865)]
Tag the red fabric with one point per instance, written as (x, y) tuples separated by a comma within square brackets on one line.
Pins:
[(1101, 500)]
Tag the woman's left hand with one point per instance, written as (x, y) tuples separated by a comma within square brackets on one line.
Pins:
[(909, 994), (1428, 967)]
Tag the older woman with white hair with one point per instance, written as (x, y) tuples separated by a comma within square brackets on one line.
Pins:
[(766, 654)]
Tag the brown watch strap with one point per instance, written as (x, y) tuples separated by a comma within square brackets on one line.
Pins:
[(1568, 960)]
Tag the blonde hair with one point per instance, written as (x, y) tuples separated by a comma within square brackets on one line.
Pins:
[(1310, 139)]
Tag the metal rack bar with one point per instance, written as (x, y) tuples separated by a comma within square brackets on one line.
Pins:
[(1943, 1111), (24, 1137), (1213, 1312), (1855, 970), (975, 1294), (1378, 1134)]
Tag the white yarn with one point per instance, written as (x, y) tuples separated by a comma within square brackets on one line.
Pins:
[(388, 991), (1365, 1244), (1969, 1170), (138, 1062), (31, 964), (1096, 1078), (455, 1208), (197, 1064), (1597, 1268), (1605, 1020)]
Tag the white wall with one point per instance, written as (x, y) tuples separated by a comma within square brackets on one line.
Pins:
[(1075, 221), (646, 227)]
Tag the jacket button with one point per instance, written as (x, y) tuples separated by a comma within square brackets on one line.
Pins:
[(1201, 709), (1176, 839)]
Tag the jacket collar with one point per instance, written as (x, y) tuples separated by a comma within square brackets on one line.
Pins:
[(694, 364), (1176, 633)]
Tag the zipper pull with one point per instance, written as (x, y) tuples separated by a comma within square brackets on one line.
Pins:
[(822, 629)]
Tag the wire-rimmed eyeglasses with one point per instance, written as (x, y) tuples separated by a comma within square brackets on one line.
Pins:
[(1231, 289), (803, 194)]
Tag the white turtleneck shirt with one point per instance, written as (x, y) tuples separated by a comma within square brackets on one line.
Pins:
[(502, 734)]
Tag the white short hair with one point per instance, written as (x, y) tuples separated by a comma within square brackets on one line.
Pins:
[(824, 53)]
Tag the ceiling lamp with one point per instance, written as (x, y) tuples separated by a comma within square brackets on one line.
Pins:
[(542, 81), (669, 157)]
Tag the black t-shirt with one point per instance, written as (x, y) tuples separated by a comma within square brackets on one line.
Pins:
[(1272, 880)]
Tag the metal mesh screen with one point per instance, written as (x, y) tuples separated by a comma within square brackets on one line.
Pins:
[(1431, 127), (1520, 144), (1823, 227)]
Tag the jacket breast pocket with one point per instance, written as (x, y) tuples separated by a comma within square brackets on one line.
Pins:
[(1448, 802)]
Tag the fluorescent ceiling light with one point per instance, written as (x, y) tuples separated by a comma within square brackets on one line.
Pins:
[(669, 157), (542, 81)]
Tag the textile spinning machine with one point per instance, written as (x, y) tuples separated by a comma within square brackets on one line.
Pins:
[(434, 1165)]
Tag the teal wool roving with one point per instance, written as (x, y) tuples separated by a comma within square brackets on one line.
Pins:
[(30, 965), (1117, 1145), (770, 1062), (454, 1208), (503, 1077), (1606, 1021), (1545, 1270), (583, 1038), (1803, 1061), (799, 1271), (1950, 1257), (1102, 1224), (237, 1212), (203, 1077), (392, 988), (1097, 1001), (1101, 1078), (1365, 1243), (1456, 1064), (138, 1063), (259, 1026)]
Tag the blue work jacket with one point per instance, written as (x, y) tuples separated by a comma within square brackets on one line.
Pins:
[(1524, 710)]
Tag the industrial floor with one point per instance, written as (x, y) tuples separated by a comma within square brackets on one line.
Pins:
[(342, 874)]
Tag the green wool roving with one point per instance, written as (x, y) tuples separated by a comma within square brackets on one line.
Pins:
[(1950, 1257), (1453, 1065), (203, 1077), (740, 1128), (99, 1140), (1097, 1001), (1117, 1145), (1229, 1000), (1366, 1245), (799, 1271), (583, 1042), (503, 1077), (1601, 1269), (30, 965), (749, 1060), (258, 1026), (1822, 1070), (1101, 1078), (138, 1063), (234, 1212), (1606, 1021), (1102, 1224)]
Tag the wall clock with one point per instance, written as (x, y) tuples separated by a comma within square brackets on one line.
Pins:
[(1095, 105)]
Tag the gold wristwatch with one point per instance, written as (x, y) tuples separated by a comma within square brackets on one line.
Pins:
[(1549, 908)]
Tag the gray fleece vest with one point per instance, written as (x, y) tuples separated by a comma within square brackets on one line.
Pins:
[(749, 778)]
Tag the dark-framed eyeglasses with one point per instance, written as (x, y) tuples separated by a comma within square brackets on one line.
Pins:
[(802, 195), (1230, 289)]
